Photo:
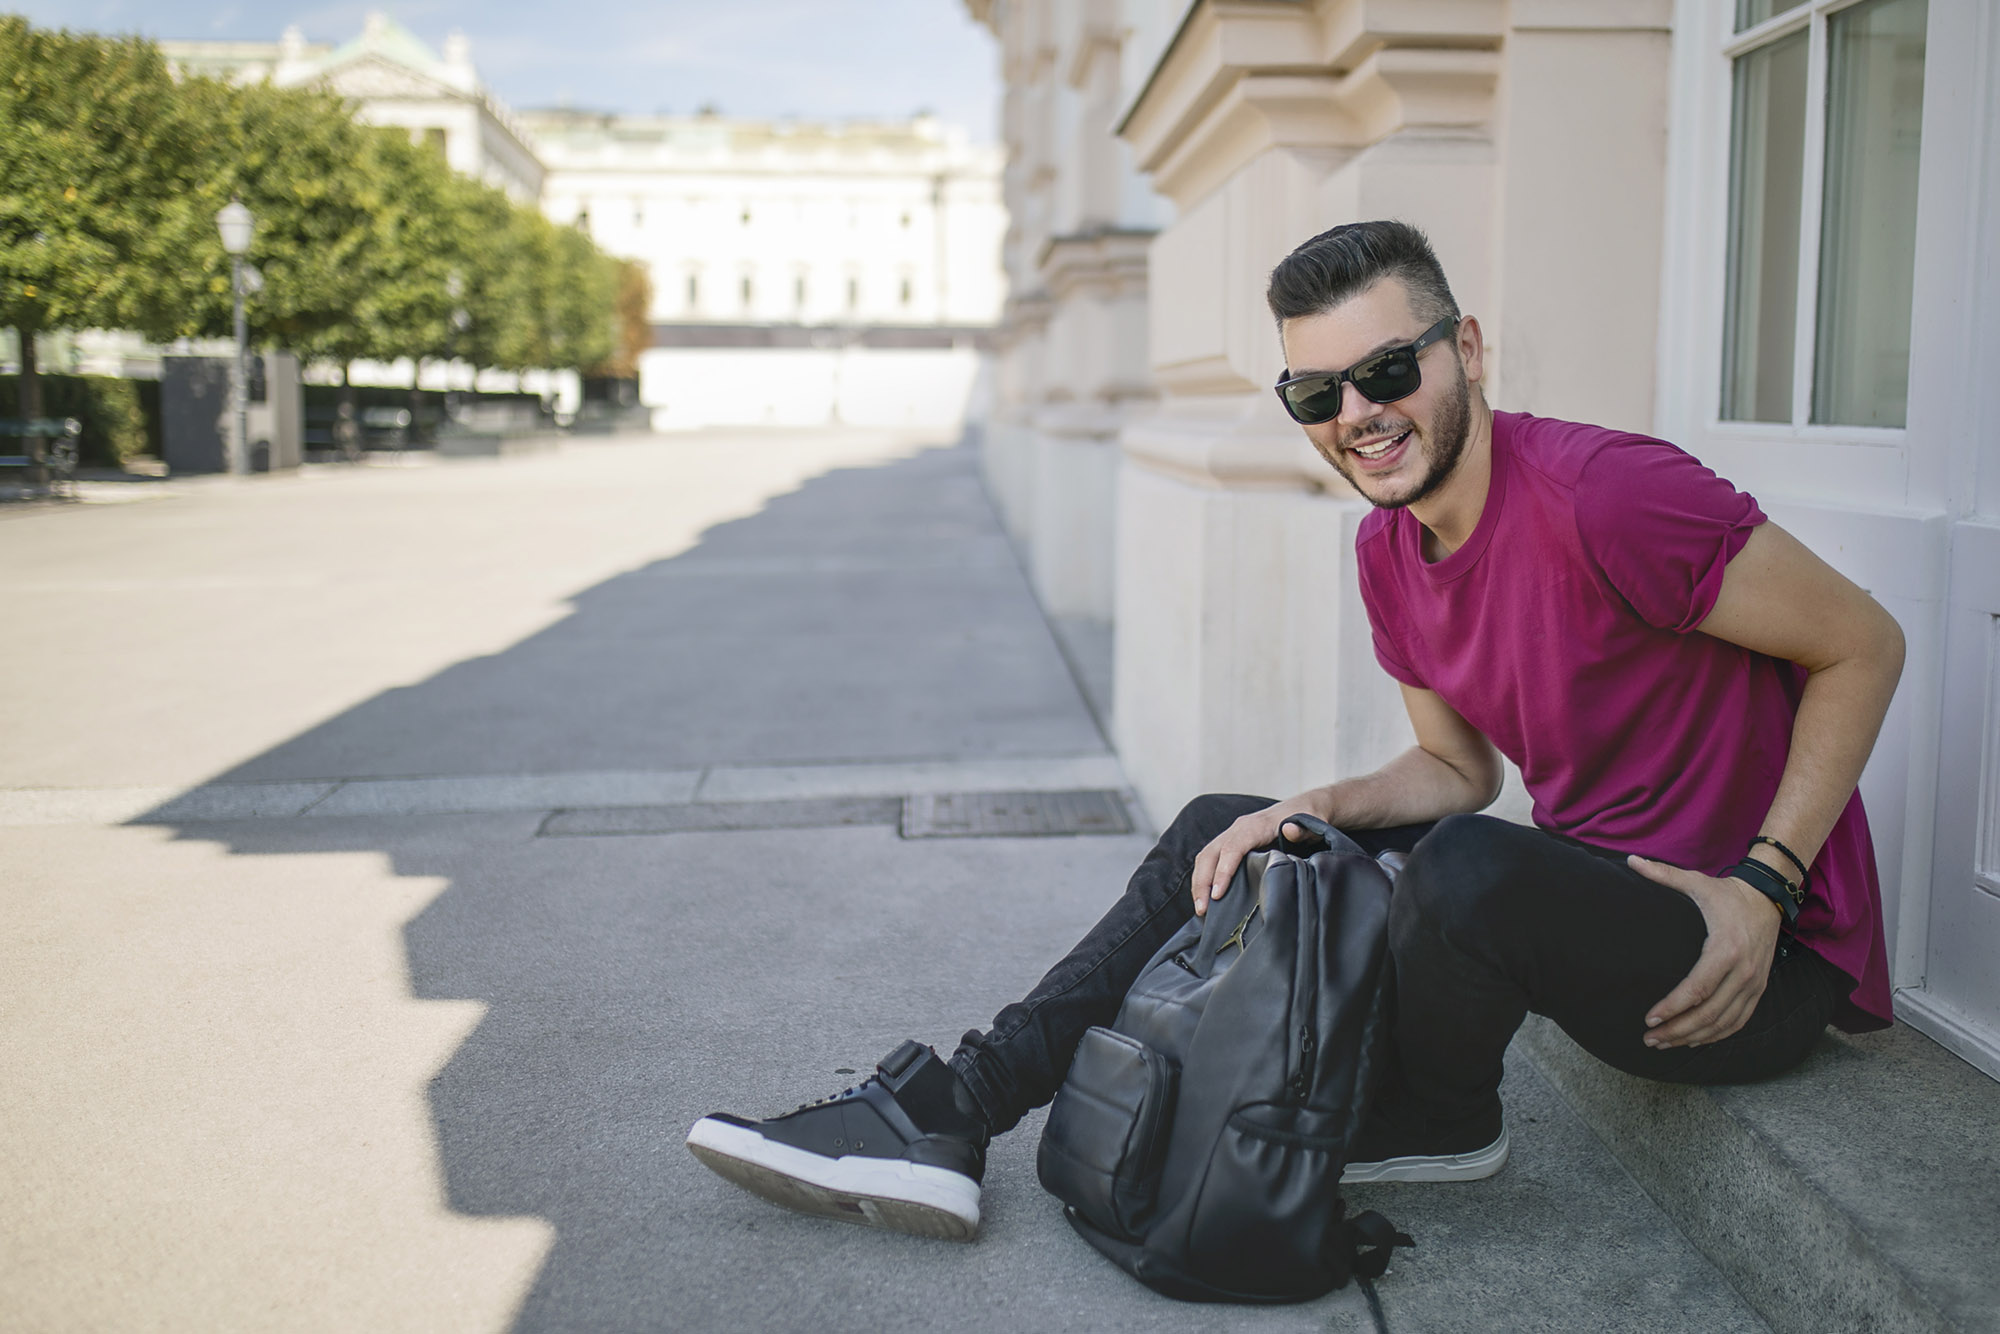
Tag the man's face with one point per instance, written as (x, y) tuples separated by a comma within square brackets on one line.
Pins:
[(1394, 454)]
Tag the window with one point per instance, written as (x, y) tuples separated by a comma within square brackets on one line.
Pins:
[(853, 293), (799, 292), (906, 291), (747, 291), (1826, 121), (694, 291)]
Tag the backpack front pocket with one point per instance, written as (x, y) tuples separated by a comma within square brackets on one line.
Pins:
[(1107, 1132)]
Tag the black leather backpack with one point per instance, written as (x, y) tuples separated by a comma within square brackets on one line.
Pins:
[(1198, 1142)]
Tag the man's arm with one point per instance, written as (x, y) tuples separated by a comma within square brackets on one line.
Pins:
[(1779, 599), (1452, 768)]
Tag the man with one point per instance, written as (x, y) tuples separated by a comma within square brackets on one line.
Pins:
[(1690, 696)]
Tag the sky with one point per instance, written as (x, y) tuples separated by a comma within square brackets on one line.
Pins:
[(814, 59)]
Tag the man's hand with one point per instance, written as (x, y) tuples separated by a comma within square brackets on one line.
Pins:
[(1216, 866), (1716, 998)]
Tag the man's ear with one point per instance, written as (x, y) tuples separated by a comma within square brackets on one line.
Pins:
[(1471, 349)]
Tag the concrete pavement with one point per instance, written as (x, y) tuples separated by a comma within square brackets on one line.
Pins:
[(314, 1019)]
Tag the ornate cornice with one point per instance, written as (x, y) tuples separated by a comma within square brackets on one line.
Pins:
[(1106, 260), (1245, 76)]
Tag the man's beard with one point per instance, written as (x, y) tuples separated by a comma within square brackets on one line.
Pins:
[(1446, 446)]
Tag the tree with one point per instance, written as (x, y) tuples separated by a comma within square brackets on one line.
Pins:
[(497, 251), (93, 139), (294, 157), (632, 316), (111, 176), (419, 239), (582, 301)]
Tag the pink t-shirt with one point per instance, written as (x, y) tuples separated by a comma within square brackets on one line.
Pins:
[(1562, 630)]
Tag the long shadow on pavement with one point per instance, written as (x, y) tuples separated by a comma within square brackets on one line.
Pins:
[(634, 983)]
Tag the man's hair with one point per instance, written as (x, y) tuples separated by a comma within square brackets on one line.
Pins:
[(1350, 259)]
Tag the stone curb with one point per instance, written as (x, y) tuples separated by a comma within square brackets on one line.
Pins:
[(1804, 1262)]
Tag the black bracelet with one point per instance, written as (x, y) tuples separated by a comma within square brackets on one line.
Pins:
[(1771, 885), (1789, 855)]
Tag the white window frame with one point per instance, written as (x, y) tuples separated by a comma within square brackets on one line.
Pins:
[(1841, 464)]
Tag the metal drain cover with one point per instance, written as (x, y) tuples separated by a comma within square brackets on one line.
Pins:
[(1014, 814), (807, 813)]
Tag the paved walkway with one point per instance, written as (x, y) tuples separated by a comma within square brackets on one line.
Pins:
[(317, 1012)]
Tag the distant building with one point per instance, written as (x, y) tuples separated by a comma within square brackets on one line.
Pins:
[(801, 272), (393, 79)]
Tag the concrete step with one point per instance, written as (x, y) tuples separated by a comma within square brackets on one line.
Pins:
[(1859, 1192)]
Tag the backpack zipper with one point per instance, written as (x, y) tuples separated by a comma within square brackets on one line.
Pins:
[(1305, 986)]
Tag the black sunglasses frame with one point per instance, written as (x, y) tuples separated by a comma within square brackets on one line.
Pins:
[(1325, 381)]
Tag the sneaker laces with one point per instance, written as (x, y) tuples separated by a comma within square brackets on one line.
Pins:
[(834, 1097)]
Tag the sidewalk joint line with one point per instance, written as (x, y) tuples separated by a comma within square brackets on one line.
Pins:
[(308, 808)]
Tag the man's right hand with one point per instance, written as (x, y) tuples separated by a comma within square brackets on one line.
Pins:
[(1216, 866)]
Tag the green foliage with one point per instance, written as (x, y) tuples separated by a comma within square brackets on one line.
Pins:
[(632, 321), (293, 157), (94, 138), (111, 176), (108, 408)]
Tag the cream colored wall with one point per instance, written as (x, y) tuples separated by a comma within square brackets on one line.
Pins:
[(1582, 193)]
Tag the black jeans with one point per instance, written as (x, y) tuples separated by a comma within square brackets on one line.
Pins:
[(1490, 920)]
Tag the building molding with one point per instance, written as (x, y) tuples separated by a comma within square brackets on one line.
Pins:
[(1232, 84)]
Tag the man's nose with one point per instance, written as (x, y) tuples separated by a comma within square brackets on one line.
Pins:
[(1355, 408)]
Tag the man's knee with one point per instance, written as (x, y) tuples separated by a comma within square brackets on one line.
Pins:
[(1457, 877)]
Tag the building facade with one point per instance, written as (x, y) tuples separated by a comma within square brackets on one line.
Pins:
[(1762, 229), (393, 79), (802, 273)]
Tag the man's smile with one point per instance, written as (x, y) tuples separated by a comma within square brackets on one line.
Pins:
[(1383, 449)]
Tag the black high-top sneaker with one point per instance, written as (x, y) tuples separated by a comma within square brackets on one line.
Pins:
[(905, 1149)]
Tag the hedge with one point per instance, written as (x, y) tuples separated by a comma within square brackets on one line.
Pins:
[(113, 416)]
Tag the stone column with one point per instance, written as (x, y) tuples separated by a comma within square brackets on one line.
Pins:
[(1095, 371), (1074, 339)]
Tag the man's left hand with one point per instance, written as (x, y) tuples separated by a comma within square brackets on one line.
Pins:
[(1718, 997)]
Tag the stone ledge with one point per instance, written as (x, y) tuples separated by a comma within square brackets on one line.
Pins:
[(1229, 441), (1857, 1192)]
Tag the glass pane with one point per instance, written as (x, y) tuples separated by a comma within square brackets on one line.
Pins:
[(1766, 166), (1750, 13), (1868, 231)]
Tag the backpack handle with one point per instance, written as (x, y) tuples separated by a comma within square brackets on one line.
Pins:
[(1319, 830)]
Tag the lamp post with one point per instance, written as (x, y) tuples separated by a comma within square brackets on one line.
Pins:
[(236, 225), (454, 286)]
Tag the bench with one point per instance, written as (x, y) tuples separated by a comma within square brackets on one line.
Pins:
[(387, 426), (57, 462)]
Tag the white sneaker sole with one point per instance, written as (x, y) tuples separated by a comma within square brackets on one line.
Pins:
[(888, 1193), (1474, 1166)]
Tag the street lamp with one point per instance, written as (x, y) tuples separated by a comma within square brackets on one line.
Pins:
[(454, 286), (236, 225)]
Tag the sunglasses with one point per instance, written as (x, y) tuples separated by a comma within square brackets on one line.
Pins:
[(1382, 378)]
